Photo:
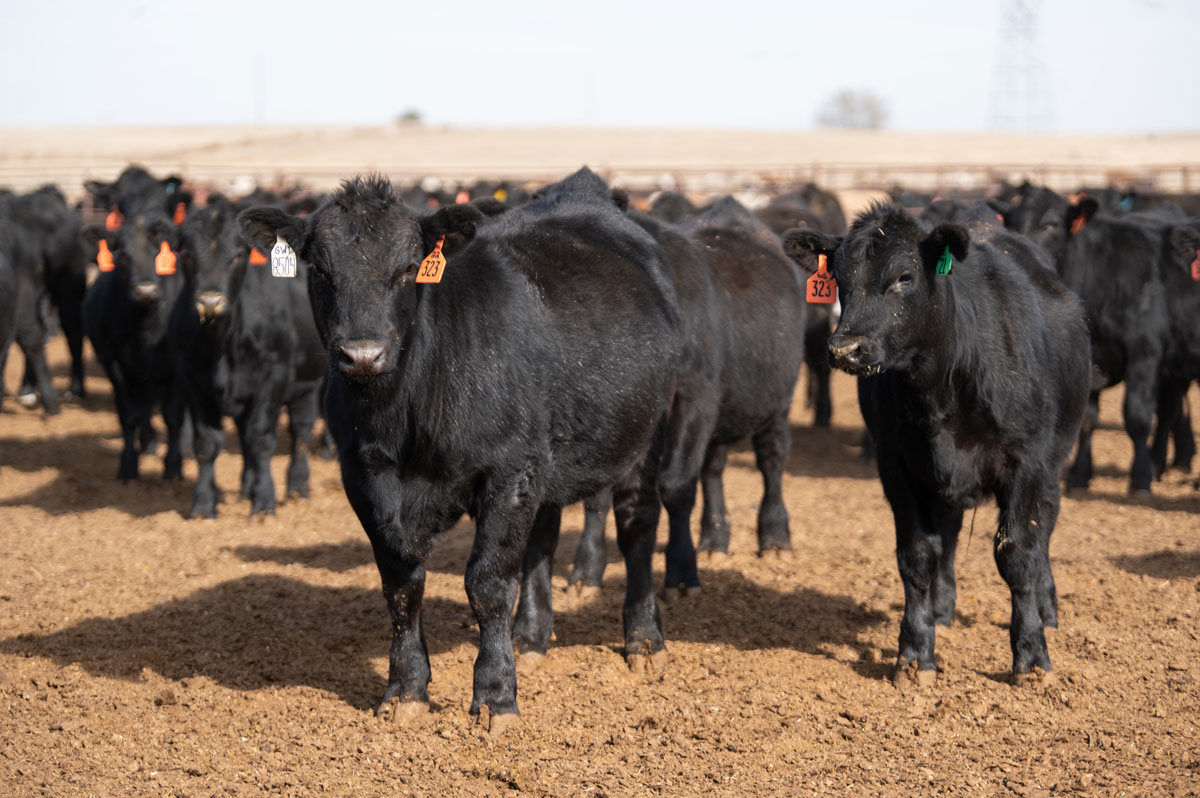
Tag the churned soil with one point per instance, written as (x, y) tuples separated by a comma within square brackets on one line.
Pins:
[(143, 653)]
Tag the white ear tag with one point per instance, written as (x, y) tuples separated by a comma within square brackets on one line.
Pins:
[(283, 259)]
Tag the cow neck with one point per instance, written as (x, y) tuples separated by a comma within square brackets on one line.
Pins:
[(948, 354)]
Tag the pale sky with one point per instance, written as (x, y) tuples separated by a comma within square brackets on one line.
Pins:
[(1109, 66)]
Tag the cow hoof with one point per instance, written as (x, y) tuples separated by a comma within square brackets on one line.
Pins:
[(529, 661), (583, 591), (497, 725), (671, 595), (714, 557), (783, 555), (1035, 678), (911, 675), (27, 400), (648, 664), (401, 713)]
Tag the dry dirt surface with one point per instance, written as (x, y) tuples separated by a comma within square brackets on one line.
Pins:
[(142, 653)]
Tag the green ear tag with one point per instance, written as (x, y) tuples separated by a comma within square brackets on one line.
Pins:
[(944, 262)]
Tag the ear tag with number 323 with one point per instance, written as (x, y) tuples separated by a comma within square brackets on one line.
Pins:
[(283, 259), (433, 265), (822, 288)]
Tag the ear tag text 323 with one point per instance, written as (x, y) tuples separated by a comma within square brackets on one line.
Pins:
[(944, 262), (164, 261), (283, 259), (104, 258), (433, 265), (822, 288)]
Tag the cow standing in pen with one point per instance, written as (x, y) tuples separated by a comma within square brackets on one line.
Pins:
[(974, 365), (536, 371)]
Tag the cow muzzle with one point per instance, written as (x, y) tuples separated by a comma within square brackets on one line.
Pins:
[(362, 358), (146, 292), (210, 304), (852, 353)]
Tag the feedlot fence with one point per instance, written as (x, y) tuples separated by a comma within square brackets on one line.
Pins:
[(947, 178)]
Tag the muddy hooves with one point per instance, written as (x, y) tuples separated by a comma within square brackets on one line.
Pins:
[(648, 664), (1035, 678), (672, 594), (911, 675), (529, 661), (400, 712), (782, 555), (583, 591), (496, 725)]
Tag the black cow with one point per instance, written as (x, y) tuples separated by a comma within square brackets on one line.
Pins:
[(246, 345), (742, 303), (137, 191), (125, 317), (536, 372), (1132, 272), (973, 382)]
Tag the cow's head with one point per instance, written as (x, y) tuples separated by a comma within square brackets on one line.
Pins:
[(213, 258), (885, 269), (1039, 214), (134, 248), (364, 248)]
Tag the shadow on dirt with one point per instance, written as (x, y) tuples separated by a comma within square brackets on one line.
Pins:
[(828, 452), (1164, 564), (250, 633), (1153, 501)]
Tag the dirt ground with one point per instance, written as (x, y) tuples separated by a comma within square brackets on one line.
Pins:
[(142, 653)]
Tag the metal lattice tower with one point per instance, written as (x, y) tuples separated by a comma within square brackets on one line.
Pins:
[(1020, 96)]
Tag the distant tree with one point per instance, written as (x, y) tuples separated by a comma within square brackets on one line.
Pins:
[(411, 116), (852, 108)]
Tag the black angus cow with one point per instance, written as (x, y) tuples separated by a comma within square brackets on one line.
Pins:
[(125, 317), (537, 371), (246, 345), (972, 383), (137, 191), (56, 235), (742, 302), (671, 207), (32, 312), (1132, 272)]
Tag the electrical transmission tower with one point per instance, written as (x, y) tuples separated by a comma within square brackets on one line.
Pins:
[(1020, 96)]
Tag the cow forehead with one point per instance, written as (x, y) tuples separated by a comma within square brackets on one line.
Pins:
[(375, 230)]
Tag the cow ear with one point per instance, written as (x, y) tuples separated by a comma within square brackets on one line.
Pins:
[(1080, 212), (461, 219), (95, 233), (101, 192), (620, 198), (261, 225), (946, 235), (1000, 206), (803, 246), (1185, 246), (490, 206)]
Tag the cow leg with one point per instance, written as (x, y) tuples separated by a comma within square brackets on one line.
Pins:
[(590, 556), (502, 537), (535, 613), (714, 522), (259, 445), (1080, 473), (247, 479), (1021, 552), (127, 414), (947, 522), (1141, 389), (207, 441), (302, 416), (816, 357), (173, 411), (1047, 594), (1168, 411), (771, 447), (681, 554), (33, 344), (71, 317), (636, 508), (1185, 440)]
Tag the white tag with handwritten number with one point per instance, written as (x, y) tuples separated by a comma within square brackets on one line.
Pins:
[(283, 259)]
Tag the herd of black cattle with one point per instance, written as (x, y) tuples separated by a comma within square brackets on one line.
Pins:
[(503, 354)]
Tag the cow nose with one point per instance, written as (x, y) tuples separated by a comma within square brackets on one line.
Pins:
[(210, 304), (845, 351), (146, 292), (361, 358)]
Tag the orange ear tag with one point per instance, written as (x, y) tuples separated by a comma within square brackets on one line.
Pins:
[(1077, 225), (257, 258), (500, 194), (113, 221), (180, 214), (433, 265), (164, 261), (104, 260), (462, 196), (822, 288), (1196, 267)]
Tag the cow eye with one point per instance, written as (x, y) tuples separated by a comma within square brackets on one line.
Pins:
[(902, 282)]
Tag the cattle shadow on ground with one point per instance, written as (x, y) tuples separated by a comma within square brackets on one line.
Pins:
[(1153, 501), (1165, 564), (266, 630), (829, 452)]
